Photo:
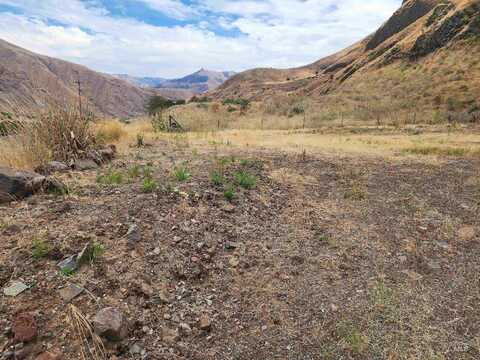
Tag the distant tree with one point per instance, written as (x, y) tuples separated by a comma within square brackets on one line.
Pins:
[(156, 104)]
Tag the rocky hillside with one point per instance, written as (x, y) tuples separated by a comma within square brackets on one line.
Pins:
[(29, 82), (199, 82), (196, 83), (412, 45)]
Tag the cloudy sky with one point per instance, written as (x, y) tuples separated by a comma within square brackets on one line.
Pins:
[(171, 38)]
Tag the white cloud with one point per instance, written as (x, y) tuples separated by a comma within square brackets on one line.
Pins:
[(274, 33)]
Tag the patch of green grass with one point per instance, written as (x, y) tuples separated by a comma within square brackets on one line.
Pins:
[(112, 177), (66, 271), (97, 251), (436, 150), (149, 185), (40, 248), (217, 178), (181, 173), (244, 162), (352, 337), (133, 172), (147, 172), (229, 192), (244, 179)]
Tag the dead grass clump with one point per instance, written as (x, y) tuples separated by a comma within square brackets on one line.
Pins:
[(62, 134), (110, 131), (91, 344)]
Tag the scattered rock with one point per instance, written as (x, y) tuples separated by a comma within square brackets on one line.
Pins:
[(442, 244), (466, 233), (69, 264), (170, 336), (74, 262), (133, 235), (52, 167), (234, 261), (15, 288), (229, 208), (230, 245), (136, 349), (111, 324), (15, 184), (24, 327), (185, 328), (108, 153), (70, 292), (85, 164), (204, 323)]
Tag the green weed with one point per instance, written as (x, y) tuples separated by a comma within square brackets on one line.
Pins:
[(216, 177), (149, 185), (229, 192), (245, 180), (112, 177), (40, 248), (181, 173)]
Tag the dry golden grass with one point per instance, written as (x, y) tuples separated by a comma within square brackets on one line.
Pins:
[(110, 130)]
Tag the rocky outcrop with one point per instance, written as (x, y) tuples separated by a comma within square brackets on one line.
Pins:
[(15, 184), (411, 11), (466, 20)]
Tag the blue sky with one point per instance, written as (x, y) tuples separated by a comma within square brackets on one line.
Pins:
[(171, 38)]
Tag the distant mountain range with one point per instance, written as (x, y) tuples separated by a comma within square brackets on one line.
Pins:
[(197, 83)]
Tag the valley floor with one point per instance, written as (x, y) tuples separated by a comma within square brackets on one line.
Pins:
[(321, 256)]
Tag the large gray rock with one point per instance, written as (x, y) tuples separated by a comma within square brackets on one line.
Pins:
[(111, 324), (16, 184)]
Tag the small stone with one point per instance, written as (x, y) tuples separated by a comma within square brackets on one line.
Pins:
[(185, 328), (443, 244), (204, 323), (229, 208), (24, 327), (133, 234), (15, 288), (169, 336), (466, 233), (234, 261), (167, 316), (69, 264), (230, 245), (85, 164), (111, 324), (136, 349), (70, 292), (334, 307), (157, 251), (264, 327)]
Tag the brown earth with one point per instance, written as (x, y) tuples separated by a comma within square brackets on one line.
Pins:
[(326, 257)]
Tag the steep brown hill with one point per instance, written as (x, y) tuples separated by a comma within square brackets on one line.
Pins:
[(29, 81), (415, 41)]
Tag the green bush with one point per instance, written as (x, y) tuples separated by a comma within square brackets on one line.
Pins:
[(245, 180), (39, 248)]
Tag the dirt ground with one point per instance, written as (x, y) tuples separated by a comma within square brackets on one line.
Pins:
[(324, 257)]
